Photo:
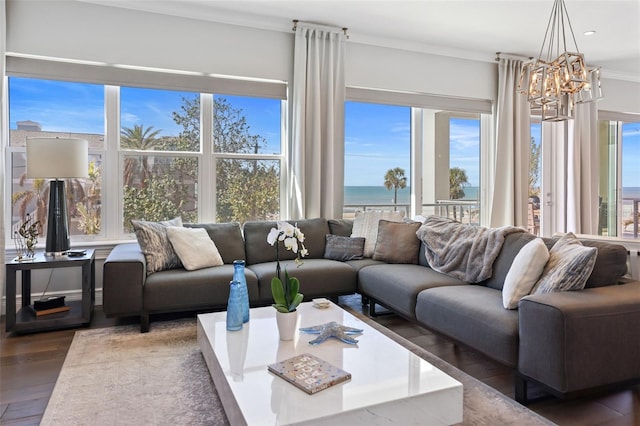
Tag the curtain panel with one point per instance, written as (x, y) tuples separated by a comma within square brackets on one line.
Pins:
[(316, 155), (583, 171), (509, 180)]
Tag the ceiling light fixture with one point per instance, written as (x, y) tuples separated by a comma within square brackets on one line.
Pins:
[(555, 82)]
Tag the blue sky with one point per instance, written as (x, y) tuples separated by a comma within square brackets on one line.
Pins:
[(377, 137)]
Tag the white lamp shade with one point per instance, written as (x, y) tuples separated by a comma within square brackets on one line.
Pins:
[(57, 158)]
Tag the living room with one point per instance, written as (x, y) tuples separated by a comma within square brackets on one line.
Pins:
[(185, 48)]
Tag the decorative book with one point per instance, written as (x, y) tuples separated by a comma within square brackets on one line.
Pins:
[(309, 373), (40, 312)]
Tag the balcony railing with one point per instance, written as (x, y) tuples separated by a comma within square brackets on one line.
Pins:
[(466, 211)]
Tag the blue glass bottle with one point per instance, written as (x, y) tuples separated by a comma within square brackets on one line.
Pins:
[(238, 275), (234, 307)]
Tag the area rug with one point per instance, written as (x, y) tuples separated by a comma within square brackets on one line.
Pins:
[(119, 376)]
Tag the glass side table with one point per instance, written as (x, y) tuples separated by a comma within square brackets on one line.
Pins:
[(24, 319)]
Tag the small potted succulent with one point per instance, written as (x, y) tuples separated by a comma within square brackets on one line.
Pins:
[(286, 295)]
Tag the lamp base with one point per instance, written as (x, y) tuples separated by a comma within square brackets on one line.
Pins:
[(57, 221)]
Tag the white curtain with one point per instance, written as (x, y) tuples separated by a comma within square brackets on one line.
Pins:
[(316, 157), (509, 174), (4, 132), (583, 171)]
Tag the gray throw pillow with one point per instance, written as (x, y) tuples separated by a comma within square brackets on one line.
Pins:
[(397, 242), (569, 266), (343, 248), (155, 245)]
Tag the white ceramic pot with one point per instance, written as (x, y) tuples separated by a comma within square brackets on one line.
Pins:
[(287, 323)]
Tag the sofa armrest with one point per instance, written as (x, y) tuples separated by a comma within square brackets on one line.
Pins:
[(577, 340), (124, 274)]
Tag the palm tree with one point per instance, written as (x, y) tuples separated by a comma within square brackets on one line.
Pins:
[(395, 178), (142, 139), (38, 195), (457, 181)]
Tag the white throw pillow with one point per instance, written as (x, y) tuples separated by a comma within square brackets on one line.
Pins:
[(194, 247), (366, 225), (525, 271)]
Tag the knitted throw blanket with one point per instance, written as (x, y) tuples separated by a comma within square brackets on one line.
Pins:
[(462, 251)]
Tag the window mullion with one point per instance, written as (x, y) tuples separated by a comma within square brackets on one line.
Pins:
[(111, 176), (207, 163)]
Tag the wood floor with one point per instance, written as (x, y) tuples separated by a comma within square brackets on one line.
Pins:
[(30, 364)]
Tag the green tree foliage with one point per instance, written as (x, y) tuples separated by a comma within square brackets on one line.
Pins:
[(534, 169), (395, 179), (159, 190), (457, 181)]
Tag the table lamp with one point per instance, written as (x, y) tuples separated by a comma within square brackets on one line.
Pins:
[(56, 158)]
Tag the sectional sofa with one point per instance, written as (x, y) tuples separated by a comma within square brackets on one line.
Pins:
[(568, 342)]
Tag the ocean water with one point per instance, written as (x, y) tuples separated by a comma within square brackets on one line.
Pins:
[(360, 195)]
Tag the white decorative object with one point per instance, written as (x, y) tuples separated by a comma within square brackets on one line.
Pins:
[(194, 247), (524, 273), (287, 322)]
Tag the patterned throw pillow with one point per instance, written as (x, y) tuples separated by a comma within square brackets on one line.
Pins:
[(155, 244), (365, 224), (569, 266), (194, 247), (343, 248), (397, 242)]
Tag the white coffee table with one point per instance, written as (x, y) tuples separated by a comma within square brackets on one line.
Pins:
[(389, 385)]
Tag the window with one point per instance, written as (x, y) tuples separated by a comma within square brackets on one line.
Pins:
[(377, 157), (156, 186), (535, 177), (619, 150), (43, 108), (161, 164)]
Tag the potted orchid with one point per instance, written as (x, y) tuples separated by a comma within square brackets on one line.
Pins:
[(286, 295)]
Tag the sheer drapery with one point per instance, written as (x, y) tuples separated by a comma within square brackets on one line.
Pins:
[(316, 157), (583, 171), (4, 132), (509, 161)]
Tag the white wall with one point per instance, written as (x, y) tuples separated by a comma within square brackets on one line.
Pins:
[(83, 31), (91, 32)]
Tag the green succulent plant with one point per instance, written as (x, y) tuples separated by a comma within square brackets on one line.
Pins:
[(285, 295)]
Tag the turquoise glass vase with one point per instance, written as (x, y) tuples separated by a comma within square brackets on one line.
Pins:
[(238, 275), (234, 307)]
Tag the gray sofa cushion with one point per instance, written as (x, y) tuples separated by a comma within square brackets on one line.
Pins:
[(177, 289), (397, 286), (611, 264), (343, 248), (258, 250), (512, 245), (318, 277), (227, 237), (474, 315), (342, 227)]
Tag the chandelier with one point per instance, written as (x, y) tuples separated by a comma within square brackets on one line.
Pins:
[(555, 82)]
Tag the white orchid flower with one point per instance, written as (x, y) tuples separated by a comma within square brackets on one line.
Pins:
[(291, 244), (288, 229), (273, 236)]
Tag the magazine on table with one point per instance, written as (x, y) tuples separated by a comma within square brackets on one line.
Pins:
[(309, 373)]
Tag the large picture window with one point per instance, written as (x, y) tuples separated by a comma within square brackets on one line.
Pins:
[(161, 165)]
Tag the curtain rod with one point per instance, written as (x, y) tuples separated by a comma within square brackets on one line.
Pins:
[(515, 55), (321, 27)]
